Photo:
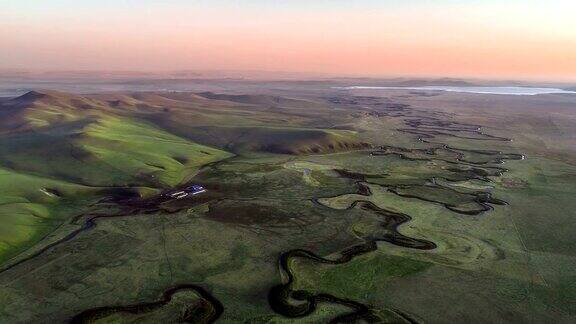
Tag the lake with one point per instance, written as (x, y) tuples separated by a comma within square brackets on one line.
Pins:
[(516, 91)]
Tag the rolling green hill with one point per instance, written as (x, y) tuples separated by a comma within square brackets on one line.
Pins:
[(63, 149), (58, 150)]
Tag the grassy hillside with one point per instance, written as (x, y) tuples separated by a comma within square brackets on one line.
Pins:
[(271, 139), (299, 141), (108, 151), (31, 206), (141, 152), (35, 110), (60, 148), (91, 141), (58, 151)]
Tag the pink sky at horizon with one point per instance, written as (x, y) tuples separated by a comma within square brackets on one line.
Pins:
[(491, 40)]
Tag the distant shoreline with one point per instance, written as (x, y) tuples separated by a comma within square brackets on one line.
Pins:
[(515, 91)]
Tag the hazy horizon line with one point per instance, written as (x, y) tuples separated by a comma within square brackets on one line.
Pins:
[(269, 73)]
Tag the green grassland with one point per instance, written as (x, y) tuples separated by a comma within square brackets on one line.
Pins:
[(30, 208), (278, 180), (107, 152), (53, 170)]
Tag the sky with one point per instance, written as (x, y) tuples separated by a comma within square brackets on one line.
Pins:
[(529, 39)]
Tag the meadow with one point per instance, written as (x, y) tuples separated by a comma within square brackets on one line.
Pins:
[(328, 206)]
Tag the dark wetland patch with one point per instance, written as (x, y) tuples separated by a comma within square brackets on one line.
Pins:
[(246, 213)]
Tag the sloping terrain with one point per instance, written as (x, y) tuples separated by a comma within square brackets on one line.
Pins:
[(271, 139), (53, 141), (107, 151), (294, 141), (265, 101), (32, 206), (58, 151)]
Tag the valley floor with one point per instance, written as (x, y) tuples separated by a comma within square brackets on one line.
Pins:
[(327, 206)]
